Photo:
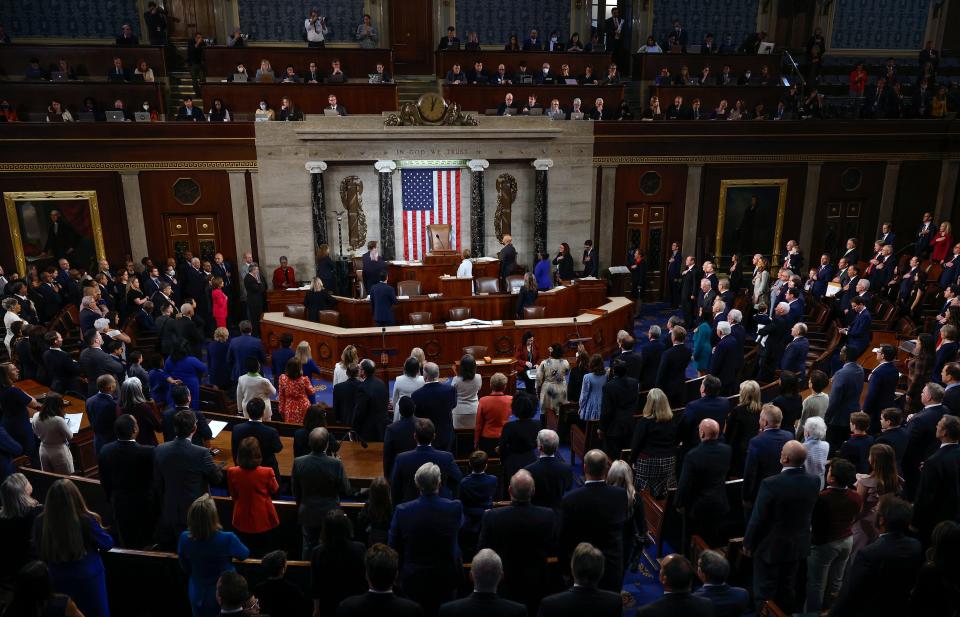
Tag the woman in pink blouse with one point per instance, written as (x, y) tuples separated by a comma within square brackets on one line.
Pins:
[(219, 302)]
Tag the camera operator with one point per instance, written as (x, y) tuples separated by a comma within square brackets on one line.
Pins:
[(316, 28)]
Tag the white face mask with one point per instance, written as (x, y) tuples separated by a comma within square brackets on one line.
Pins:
[(263, 106), (146, 108)]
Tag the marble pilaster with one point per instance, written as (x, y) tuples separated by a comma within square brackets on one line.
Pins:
[(477, 212), (387, 241), (318, 205), (542, 166)]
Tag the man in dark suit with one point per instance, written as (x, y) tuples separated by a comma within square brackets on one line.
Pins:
[(184, 331), (844, 399), (399, 436), (50, 296), (922, 439), (345, 396), (619, 404), (764, 453), (382, 299), (651, 355), (713, 569), (679, 35), (587, 564), (925, 233), (373, 266), (486, 572), (95, 362), (181, 402), (589, 259), (268, 436), (125, 469), (62, 238), (62, 370), (688, 292), (435, 401), (671, 374), (701, 490), (223, 269), (726, 360), (950, 265), (552, 477), (795, 356), (632, 360), (894, 434), (102, 410), (242, 347), (709, 405), (881, 386), (705, 298), (778, 534), (674, 267), (188, 112), (402, 485), (370, 411), (424, 533), (877, 100), (381, 564), (523, 534), (533, 42), (881, 575), (794, 305), (318, 482), (676, 576), (182, 472), (195, 286), (595, 513), (450, 41), (508, 258), (938, 492), (859, 332), (950, 376), (773, 340), (825, 274), (256, 288)]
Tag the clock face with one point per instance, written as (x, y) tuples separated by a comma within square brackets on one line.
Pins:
[(432, 107)]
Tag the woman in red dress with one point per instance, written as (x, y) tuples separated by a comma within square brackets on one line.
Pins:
[(252, 487), (219, 302), (942, 243), (294, 393)]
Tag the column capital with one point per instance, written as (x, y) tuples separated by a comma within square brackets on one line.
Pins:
[(385, 167), (478, 164), (316, 167), (542, 164)]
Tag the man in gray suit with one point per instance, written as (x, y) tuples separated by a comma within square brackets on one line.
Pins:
[(182, 472), (95, 362), (319, 481)]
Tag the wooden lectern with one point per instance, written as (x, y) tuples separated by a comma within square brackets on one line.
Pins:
[(440, 239)]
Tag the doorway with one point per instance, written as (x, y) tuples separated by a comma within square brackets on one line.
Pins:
[(190, 16), (197, 233), (411, 37), (794, 23), (646, 228)]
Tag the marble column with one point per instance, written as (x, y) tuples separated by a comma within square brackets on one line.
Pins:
[(387, 242), (891, 178), (947, 190), (133, 203), (608, 196), (691, 212), (477, 220), (318, 205), (807, 220), (540, 204)]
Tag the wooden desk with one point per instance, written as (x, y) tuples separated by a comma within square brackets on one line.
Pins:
[(309, 98), (35, 96), (222, 62), (86, 60), (710, 96), (429, 273), (453, 286), (278, 299), (578, 61), (647, 66), (81, 445), (482, 98)]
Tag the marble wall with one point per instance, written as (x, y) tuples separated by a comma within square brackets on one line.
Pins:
[(351, 146)]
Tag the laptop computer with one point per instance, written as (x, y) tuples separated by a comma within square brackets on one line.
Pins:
[(490, 112), (766, 48), (576, 115), (536, 111), (58, 76), (266, 78), (375, 78), (114, 116), (240, 78), (137, 78), (142, 116), (261, 119), (570, 81), (86, 116), (525, 79), (330, 112)]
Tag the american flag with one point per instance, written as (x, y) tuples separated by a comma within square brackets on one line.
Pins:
[(430, 196)]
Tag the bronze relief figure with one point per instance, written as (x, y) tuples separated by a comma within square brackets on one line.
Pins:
[(506, 195), (351, 195)]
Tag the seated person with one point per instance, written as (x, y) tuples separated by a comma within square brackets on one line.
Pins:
[(473, 42), (118, 72), (127, 38), (500, 78), (288, 111), (219, 112), (264, 112), (290, 76), (504, 108), (746, 79), (564, 74), (336, 76), (142, 69), (385, 77), (57, 113), (598, 112), (332, 104), (450, 41), (118, 106), (523, 75), (575, 44), (64, 68), (7, 112), (312, 74), (237, 39), (553, 43), (531, 104), (241, 70), (478, 75), (576, 109), (595, 46), (513, 44), (613, 76), (264, 73), (533, 43), (545, 76), (455, 76), (556, 112), (188, 112), (90, 107), (589, 79)]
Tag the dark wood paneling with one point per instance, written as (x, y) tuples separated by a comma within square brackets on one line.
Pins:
[(711, 96), (310, 98), (34, 97), (86, 60), (917, 189), (156, 189), (672, 193), (831, 231), (356, 63), (647, 66), (411, 36), (481, 98), (511, 61), (109, 197)]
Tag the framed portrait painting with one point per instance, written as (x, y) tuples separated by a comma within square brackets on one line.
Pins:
[(49, 225), (750, 218)]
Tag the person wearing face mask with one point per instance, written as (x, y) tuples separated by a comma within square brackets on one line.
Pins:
[(554, 43), (746, 79), (545, 77), (241, 70), (264, 113), (7, 112), (154, 117)]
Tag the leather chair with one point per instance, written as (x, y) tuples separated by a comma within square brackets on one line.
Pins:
[(421, 318), (460, 313), (296, 311), (534, 312), (514, 283), (477, 351), (408, 288), (330, 318), (488, 285)]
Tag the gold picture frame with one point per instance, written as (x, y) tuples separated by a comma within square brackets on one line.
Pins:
[(730, 186), (11, 200)]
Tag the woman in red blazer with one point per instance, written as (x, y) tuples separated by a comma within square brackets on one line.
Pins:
[(942, 243), (527, 358), (251, 487)]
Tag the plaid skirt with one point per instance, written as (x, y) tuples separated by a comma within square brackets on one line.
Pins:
[(656, 475)]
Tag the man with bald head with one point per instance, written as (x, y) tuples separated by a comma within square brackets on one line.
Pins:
[(523, 535), (486, 572), (702, 491), (764, 452), (778, 534)]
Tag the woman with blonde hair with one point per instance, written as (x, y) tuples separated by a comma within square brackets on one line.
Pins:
[(743, 424), (265, 71), (205, 552), (942, 242), (347, 357), (761, 280), (318, 299), (304, 356), (653, 452), (18, 513), (882, 480), (70, 538), (421, 357), (635, 528), (218, 370)]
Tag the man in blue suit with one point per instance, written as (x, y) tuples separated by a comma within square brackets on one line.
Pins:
[(651, 358), (764, 453), (399, 436), (242, 347), (894, 434), (424, 533), (674, 265), (268, 436), (913, 278), (925, 233), (402, 477), (674, 360), (533, 43), (858, 334), (881, 386), (778, 533), (382, 299), (794, 305), (795, 357), (713, 569), (181, 402), (435, 401), (950, 377), (825, 274), (951, 266), (102, 411), (844, 399), (887, 237), (709, 405), (726, 360), (370, 412), (552, 476), (922, 436)]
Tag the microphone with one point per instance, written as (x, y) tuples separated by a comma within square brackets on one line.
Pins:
[(437, 236)]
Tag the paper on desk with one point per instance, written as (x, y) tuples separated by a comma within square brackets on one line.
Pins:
[(833, 289), (619, 270), (73, 421), (216, 427)]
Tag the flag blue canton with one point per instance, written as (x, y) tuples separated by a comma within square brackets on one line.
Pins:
[(418, 190)]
